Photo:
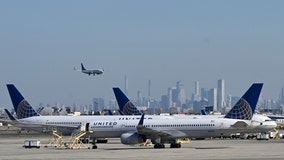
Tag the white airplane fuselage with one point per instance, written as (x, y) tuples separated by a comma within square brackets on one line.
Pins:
[(114, 126)]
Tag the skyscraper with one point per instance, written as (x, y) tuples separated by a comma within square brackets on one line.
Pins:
[(139, 98), (196, 96), (221, 95), (98, 104), (197, 90), (149, 89), (126, 85), (170, 96), (212, 98), (282, 96), (180, 93)]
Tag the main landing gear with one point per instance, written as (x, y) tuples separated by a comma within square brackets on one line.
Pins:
[(175, 145), (159, 145), (94, 144)]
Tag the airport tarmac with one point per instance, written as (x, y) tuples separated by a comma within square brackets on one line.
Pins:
[(11, 147)]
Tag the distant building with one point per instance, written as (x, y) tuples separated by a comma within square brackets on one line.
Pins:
[(126, 85), (197, 90), (113, 105), (221, 95), (196, 96), (170, 95), (212, 98), (282, 96), (181, 93), (98, 104), (199, 105), (139, 99), (204, 93), (165, 103)]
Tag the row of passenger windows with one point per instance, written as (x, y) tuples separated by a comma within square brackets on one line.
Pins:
[(174, 125), (64, 123), (131, 118)]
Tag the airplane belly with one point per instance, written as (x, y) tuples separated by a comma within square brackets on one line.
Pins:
[(204, 133), (106, 134)]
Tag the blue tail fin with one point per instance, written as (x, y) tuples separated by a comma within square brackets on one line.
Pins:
[(245, 107), (126, 106), (22, 107), (82, 67), (11, 117)]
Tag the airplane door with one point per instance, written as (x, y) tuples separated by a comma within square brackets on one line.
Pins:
[(87, 127), (221, 128)]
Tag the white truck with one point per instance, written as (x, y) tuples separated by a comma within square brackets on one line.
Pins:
[(32, 144), (262, 136)]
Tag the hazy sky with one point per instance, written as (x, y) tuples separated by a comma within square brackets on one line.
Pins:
[(162, 41)]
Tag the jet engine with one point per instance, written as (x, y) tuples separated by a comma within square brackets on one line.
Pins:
[(132, 138)]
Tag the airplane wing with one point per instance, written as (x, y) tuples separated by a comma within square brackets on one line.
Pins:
[(39, 127), (168, 135), (47, 126), (6, 121), (165, 135)]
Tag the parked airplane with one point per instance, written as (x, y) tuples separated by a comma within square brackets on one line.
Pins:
[(169, 129), (134, 129), (90, 71), (261, 123)]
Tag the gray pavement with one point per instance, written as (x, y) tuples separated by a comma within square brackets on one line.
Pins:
[(11, 148)]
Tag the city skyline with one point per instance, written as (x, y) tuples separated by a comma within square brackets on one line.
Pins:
[(173, 91), (161, 41)]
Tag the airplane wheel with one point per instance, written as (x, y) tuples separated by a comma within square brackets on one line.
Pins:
[(179, 145), (159, 145), (175, 145)]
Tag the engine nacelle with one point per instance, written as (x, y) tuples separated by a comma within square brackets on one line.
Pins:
[(132, 138)]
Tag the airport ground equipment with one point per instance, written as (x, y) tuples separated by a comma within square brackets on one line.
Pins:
[(75, 141), (183, 140), (56, 141), (262, 136), (32, 144)]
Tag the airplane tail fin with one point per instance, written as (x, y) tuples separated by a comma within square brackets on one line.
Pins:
[(245, 107), (125, 105), (82, 67), (22, 107)]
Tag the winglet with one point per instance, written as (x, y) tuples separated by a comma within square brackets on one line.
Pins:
[(203, 112), (22, 107), (11, 117), (141, 120), (125, 105), (245, 107)]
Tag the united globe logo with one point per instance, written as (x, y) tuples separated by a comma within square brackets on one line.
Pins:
[(241, 110), (25, 110)]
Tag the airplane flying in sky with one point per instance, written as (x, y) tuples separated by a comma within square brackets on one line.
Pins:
[(136, 129), (90, 71)]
